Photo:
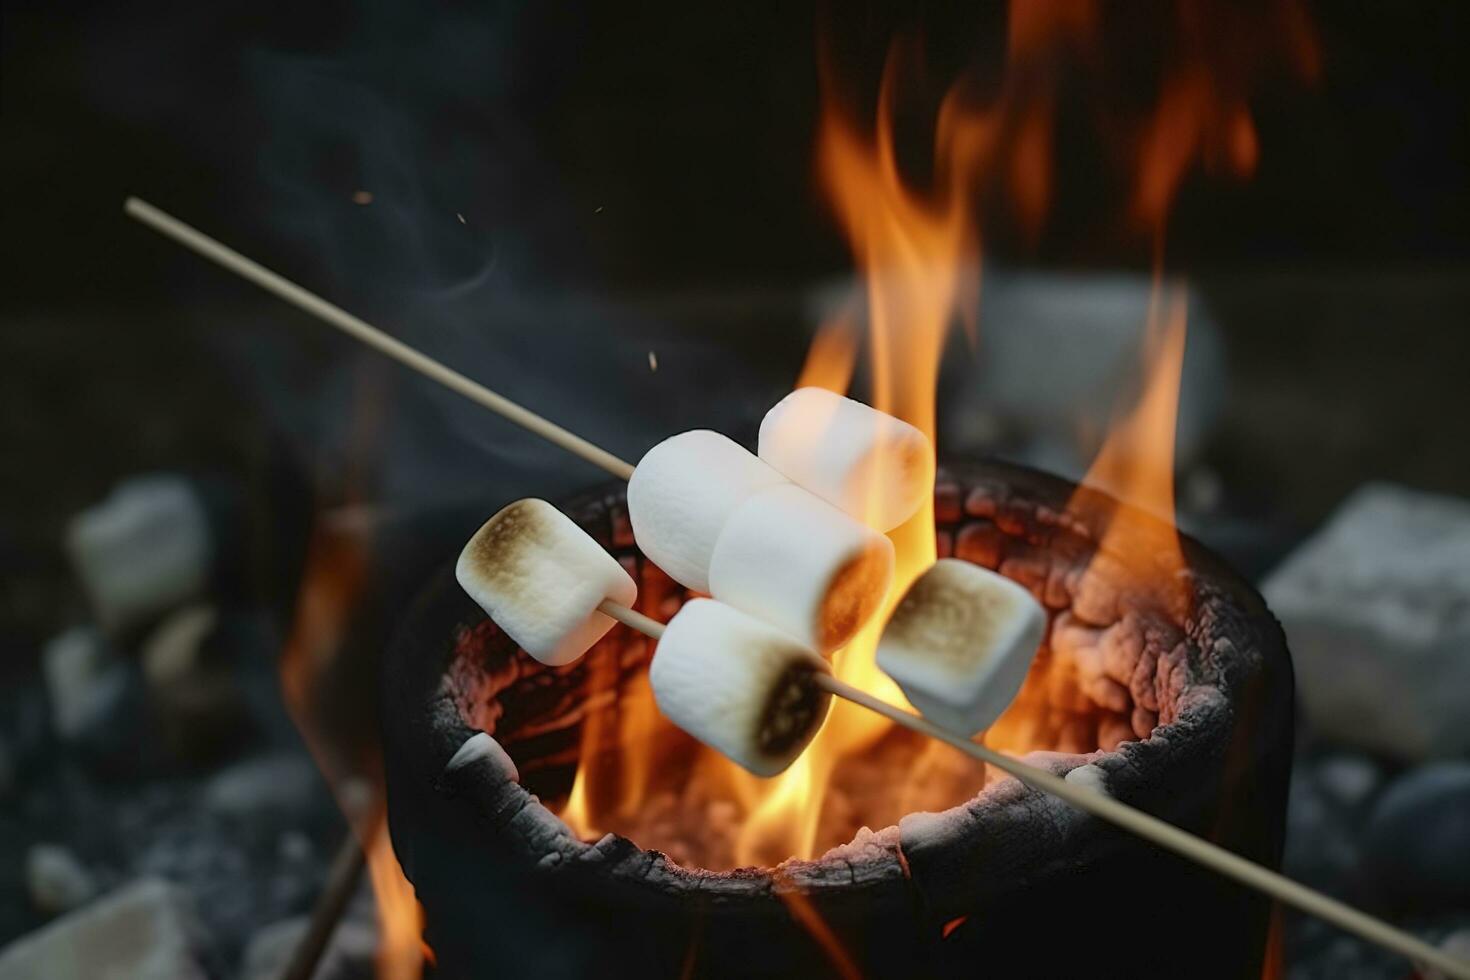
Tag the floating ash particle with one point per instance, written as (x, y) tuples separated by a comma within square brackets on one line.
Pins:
[(459, 216), (652, 361), (597, 210), (362, 197)]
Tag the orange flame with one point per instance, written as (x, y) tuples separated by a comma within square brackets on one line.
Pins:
[(334, 576), (917, 244)]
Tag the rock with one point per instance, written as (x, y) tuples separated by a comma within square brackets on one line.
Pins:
[(281, 786), (88, 685), (192, 690), (349, 952), (56, 879), (1376, 609), (172, 652), (1057, 355), (144, 931), (1348, 779), (143, 550), (1416, 846)]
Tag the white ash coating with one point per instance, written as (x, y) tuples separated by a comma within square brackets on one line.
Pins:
[(738, 685), (681, 495), (795, 561), (875, 467), (481, 747), (960, 644), (540, 577)]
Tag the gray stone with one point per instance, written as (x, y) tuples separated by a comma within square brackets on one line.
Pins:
[(144, 931), (194, 695), (1416, 846), (349, 952), (85, 681), (279, 786), (1057, 356), (57, 881), (1376, 609), (143, 550), (1349, 779)]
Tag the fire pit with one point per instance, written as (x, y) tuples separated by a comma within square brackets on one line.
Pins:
[(1175, 686)]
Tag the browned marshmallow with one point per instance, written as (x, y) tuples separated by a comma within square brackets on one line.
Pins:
[(541, 578)]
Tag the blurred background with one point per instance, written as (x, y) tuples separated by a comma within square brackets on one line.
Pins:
[(611, 214)]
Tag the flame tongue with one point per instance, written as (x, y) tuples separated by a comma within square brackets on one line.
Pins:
[(918, 250)]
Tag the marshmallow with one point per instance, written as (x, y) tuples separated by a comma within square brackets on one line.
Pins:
[(801, 565), (738, 685), (682, 493), (960, 643), (541, 578), (875, 467)]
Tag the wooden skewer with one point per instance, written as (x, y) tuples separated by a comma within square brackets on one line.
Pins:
[(1135, 821), (196, 241), (1105, 807), (342, 879)]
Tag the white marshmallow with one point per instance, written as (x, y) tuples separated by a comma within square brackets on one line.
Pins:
[(682, 493), (541, 578), (802, 565), (738, 685), (875, 467), (960, 644)]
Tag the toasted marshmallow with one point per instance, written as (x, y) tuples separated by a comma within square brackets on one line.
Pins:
[(738, 685), (683, 492), (960, 643), (875, 467), (801, 565), (541, 578)]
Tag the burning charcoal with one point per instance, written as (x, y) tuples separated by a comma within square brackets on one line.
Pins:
[(145, 930), (57, 881), (682, 493), (540, 577), (143, 550), (801, 565), (738, 685), (875, 467), (960, 644), (1375, 609), (1416, 846)]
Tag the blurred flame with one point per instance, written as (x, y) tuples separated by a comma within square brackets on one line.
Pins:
[(401, 951), (333, 579)]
